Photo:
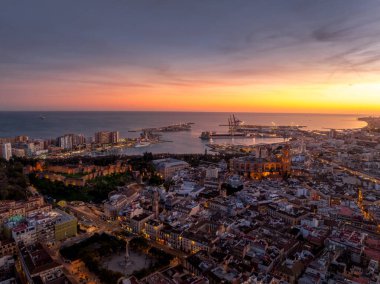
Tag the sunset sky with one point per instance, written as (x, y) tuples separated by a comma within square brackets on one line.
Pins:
[(320, 56)]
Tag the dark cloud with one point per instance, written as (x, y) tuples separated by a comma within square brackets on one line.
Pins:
[(338, 31)]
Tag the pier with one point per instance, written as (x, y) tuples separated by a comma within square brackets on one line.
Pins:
[(170, 128)]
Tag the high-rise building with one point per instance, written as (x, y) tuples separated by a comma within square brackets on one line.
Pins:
[(30, 148), (101, 137), (6, 140), (39, 145), (17, 152), (114, 136), (333, 133), (21, 138), (78, 139), (65, 141), (106, 137), (6, 151)]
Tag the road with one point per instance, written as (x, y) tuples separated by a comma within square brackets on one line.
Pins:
[(351, 171), (175, 252), (76, 239)]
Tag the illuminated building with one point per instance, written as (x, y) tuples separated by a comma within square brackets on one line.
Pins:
[(115, 203), (168, 167), (152, 229), (65, 142), (18, 152), (68, 141), (106, 137), (9, 209), (266, 163), (39, 267), (137, 223), (65, 225)]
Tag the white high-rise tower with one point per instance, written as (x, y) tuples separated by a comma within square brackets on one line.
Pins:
[(6, 151)]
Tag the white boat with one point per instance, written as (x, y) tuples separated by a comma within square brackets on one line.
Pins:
[(142, 144)]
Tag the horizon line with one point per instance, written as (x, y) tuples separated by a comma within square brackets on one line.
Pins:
[(187, 111)]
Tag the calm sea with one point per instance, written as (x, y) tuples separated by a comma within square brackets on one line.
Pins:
[(87, 123)]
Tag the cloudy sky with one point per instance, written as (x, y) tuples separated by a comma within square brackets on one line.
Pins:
[(209, 55)]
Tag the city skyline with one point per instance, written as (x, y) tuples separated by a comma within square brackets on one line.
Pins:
[(190, 142), (245, 56)]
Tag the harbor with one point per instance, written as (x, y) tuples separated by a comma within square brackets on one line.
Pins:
[(238, 129), (261, 129)]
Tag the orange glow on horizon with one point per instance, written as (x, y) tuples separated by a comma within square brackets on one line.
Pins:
[(239, 96), (206, 56)]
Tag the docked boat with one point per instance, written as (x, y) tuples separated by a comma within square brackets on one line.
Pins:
[(142, 144)]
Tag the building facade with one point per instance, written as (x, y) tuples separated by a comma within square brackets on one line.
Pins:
[(106, 137), (168, 167), (6, 151), (265, 163)]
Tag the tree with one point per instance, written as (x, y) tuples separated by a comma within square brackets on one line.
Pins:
[(13, 183)]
